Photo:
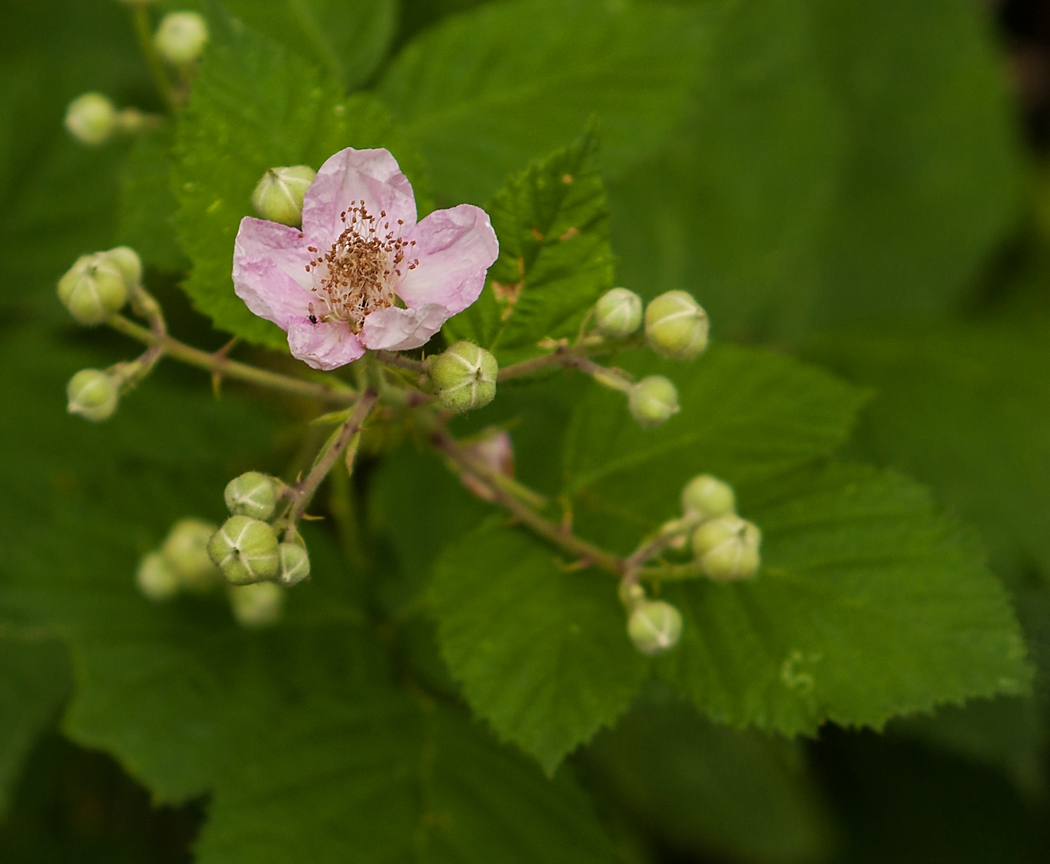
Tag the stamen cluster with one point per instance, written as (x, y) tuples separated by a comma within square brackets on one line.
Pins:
[(357, 275)]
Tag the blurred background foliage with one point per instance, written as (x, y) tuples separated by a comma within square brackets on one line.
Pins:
[(862, 184)]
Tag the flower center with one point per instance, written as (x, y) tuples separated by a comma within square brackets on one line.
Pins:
[(358, 274)]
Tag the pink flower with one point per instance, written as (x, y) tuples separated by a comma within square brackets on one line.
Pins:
[(362, 273)]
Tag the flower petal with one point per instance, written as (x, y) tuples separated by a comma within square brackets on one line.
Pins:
[(269, 270), (396, 329), (325, 345), (372, 176), (455, 248)]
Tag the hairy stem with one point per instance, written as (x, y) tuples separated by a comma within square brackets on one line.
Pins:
[(144, 32), (224, 367), (556, 534), (304, 491)]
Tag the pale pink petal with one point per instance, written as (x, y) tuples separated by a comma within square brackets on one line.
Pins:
[(325, 345), (355, 175), (396, 329), (269, 270), (455, 248)]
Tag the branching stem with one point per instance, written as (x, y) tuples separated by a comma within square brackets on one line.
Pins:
[(551, 531), (223, 366), (304, 491)]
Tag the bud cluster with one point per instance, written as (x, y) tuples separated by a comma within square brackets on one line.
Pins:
[(725, 546), (97, 286), (246, 548), (675, 327), (181, 564), (93, 119)]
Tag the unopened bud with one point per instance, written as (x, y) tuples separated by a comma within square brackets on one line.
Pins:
[(295, 564), (618, 313), (93, 394), (676, 326), (246, 550), (252, 494), (257, 605), (181, 37), (186, 550), (156, 578), (129, 264), (727, 548), (653, 400), (278, 197), (654, 626), (708, 497), (91, 118), (464, 377), (93, 289)]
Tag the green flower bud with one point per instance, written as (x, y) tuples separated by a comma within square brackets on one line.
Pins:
[(618, 313), (246, 550), (727, 548), (129, 264), (252, 494), (708, 498), (156, 578), (676, 326), (278, 197), (186, 551), (93, 394), (257, 605), (181, 37), (654, 626), (464, 377), (93, 289), (91, 118), (653, 400), (295, 564)]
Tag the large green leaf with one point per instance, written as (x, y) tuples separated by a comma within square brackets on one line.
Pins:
[(488, 91), (34, 682), (387, 781), (255, 105), (842, 161), (348, 37), (746, 415), (541, 651), (867, 606), (554, 256), (965, 408), (297, 732)]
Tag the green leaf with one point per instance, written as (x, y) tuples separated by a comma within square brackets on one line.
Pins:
[(485, 92), (348, 38), (34, 682), (541, 650), (255, 105), (712, 791), (868, 605), (966, 408), (146, 219), (554, 256), (387, 782), (746, 415), (296, 732), (842, 161)]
